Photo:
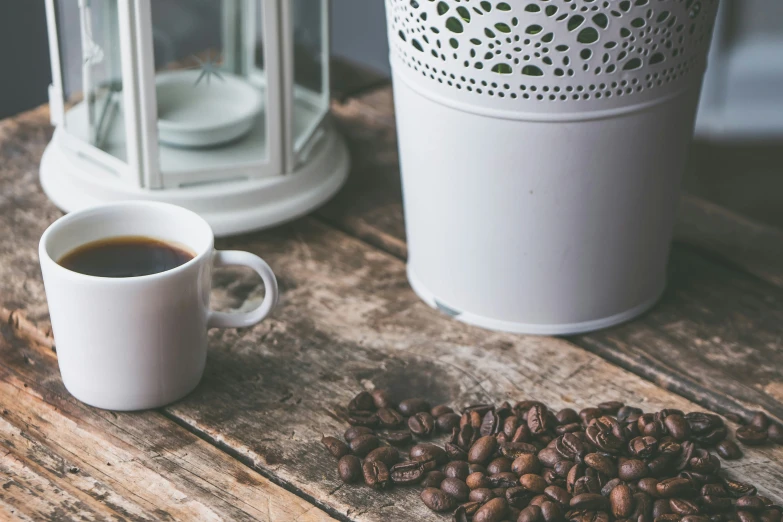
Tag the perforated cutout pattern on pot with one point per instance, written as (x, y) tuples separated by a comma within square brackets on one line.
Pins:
[(551, 55)]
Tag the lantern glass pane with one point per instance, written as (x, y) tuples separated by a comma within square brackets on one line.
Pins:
[(92, 73), (311, 90), (210, 89)]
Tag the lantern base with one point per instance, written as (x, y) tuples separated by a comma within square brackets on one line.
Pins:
[(230, 207)]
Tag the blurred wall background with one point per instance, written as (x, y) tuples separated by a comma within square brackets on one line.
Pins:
[(358, 34)]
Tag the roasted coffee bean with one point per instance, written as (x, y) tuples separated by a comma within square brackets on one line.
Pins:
[(473, 467), (751, 436), (759, 421), (677, 427), (675, 487), (601, 463), (376, 474), (728, 450), (499, 465), (364, 444), (669, 517), (669, 447), (510, 425), (398, 438), (499, 492), (643, 505), (700, 422), (478, 480), (603, 440), (551, 511), (518, 496), (629, 414), (567, 416), (683, 506), (354, 431), (715, 489), (648, 485), (382, 399), (437, 500), (481, 495), (661, 508), (349, 468), (621, 501), (713, 437), (362, 402), (607, 488), (682, 459), (389, 418), (522, 434), (363, 418), (738, 489), (569, 446), (524, 464), (713, 504), (457, 469), (750, 503), (515, 450), (558, 494), (632, 470), (490, 424), (454, 452), (427, 451), (465, 437), (432, 479), (703, 461), (336, 447), (409, 472), (410, 407), (775, 433), (562, 468), (481, 451), (421, 424), (503, 480), (441, 409), (661, 466), (385, 454), (746, 516), (446, 422), (538, 500), (534, 483), (589, 501), (586, 485), (643, 447), (610, 407), (568, 428), (588, 414), (493, 511), (538, 420), (549, 457), (552, 478), (455, 488), (531, 514)]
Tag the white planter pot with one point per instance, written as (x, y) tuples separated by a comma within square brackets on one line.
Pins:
[(540, 192)]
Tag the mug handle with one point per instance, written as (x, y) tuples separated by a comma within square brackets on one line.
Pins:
[(242, 320)]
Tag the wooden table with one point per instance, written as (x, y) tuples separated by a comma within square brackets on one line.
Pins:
[(245, 445)]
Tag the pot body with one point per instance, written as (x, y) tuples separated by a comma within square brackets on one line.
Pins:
[(542, 203)]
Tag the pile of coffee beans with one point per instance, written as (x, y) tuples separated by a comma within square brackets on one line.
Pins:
[(527, 463)]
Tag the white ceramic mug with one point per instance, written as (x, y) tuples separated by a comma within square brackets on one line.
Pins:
[(138, 342)]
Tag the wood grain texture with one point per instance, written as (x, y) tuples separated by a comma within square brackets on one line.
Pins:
[(347, 321), (716, 336), (64, 460)]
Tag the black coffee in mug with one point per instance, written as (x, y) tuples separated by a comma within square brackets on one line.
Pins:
[(125, 256)]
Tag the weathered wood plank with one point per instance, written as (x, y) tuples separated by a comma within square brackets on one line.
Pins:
[(715, 336), (64, 459)]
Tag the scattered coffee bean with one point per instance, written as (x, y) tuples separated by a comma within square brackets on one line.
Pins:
[(432, 479), (455, 488), (493, 511), (751, 436), (349, 468), (437, 500), (385, 454), (409, 472), (613, 463), (336, 447), (421, 424), (728, 450), (376, 474), (354, 431)]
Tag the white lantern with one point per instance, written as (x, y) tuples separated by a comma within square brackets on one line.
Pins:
[(219, 106)]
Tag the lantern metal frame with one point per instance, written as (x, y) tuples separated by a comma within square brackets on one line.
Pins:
[(294, 177)]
